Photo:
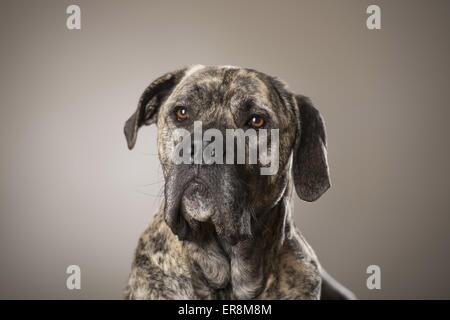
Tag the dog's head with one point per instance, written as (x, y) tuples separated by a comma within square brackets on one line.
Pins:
[(231, 198)]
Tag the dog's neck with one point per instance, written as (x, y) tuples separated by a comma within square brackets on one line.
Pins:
[(240, 271)]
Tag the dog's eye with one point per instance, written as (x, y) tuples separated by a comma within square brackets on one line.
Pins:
[(182, 114), (256, 121)]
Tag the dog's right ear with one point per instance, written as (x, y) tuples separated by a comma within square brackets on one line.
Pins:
[(152, 98)]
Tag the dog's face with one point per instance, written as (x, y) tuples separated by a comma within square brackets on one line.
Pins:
[(230, 199)]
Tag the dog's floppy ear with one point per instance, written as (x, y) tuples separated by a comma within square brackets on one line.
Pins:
[(310, 166), (152, 98)]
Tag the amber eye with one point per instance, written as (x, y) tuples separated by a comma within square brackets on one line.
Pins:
[(256, 122), (182, 114)]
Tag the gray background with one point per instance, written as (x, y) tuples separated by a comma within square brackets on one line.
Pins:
[(71, 192)]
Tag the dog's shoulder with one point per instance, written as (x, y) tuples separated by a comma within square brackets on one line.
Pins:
[(160, 266), (297, 275)]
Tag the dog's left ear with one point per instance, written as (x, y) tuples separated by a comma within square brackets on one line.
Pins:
[(310, 165), (152, 98)]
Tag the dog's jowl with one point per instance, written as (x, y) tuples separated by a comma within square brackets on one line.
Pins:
[(225, 230)]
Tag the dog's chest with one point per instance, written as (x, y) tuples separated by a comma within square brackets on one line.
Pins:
[(292, 278)]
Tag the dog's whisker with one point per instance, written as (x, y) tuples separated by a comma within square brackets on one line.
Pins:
[(152, 184), (161, 195), (148, 154), (148, 194)]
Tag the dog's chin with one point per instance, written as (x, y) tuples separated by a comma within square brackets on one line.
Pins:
[(198, 208)]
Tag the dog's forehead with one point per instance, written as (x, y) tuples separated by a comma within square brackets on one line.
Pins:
[(223, 83)]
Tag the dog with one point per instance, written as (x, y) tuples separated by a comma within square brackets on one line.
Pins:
[(226, 231)]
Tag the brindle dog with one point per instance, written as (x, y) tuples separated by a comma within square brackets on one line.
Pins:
[(226, 231)]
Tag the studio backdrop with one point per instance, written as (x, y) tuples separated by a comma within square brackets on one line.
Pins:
[(71, 193)]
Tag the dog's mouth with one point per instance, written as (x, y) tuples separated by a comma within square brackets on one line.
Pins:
[(193, 206), (188, 204)]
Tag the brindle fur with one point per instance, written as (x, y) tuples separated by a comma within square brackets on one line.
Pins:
[(250, 247)]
